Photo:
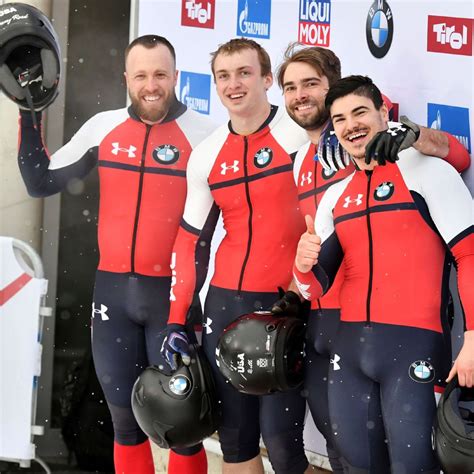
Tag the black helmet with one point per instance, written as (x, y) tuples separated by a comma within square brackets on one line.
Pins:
[(260, 353), (29, 56), (180, 409), (454, 429)]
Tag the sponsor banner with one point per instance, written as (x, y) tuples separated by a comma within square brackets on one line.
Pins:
[(450, 35), (314, 26), (454, 120), (198, 13), (253, 18), (195, 91)]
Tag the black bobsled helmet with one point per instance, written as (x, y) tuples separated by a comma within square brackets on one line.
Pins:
[(180, 409), (453, 431), (29, 56), (260, 353)]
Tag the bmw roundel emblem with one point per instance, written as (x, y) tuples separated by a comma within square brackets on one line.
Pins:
[(180, 384), (421, 371), (384, 191), (263, 157), (166, 154), (379, 28)]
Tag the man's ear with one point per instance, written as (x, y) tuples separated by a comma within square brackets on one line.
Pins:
[(176, 74), (268, 80), (384, 112)]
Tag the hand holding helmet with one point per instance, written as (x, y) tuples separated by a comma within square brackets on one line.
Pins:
[(29, 57), (175, 346), (290, 304)]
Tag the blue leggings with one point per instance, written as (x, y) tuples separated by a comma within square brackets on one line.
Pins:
[(381, 391), (278, 417), (129, 316)]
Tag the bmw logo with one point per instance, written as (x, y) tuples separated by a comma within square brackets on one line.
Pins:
[(263, 157), (421, 371), (180, 384), (379, 28), (166, 154), (384, 191)]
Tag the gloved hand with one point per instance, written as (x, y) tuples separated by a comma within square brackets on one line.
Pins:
[(386, 145), (331, 155), (290, 304), (176, 345)]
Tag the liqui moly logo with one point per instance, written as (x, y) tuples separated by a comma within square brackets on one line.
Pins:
[(198, 13), (450, 35), (314, 22)]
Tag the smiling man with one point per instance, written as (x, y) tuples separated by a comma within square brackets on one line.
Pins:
[(142, 154), (398, 227), (244, 169)]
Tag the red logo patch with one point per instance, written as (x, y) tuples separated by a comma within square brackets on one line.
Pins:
[(450, 35), (198, 13)]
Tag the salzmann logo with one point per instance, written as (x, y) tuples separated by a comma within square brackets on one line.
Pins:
[(198, 13), (379, 28), (450, 35), (454, 120), (314, 24), (253, 18), (195, 90)]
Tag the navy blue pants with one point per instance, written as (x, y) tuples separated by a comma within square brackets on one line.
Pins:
[(129, 315), (320, 337), (278, 417), (381, 391)]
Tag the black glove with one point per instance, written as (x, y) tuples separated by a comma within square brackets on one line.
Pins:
[(386, 145), (290, 304), (331, 155), (176, 346)]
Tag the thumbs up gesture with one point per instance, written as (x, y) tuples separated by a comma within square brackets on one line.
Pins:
[(308, 249)]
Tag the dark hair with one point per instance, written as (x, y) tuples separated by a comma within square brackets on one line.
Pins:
[(238, 44), (358, 85), (323, 60), (150, 41)]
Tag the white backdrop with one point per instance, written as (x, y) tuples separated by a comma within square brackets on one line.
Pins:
[(427, 70)]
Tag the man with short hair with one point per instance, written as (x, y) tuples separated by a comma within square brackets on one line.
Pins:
[(305, 76), (245, 170), (398, 227), (142, 154)]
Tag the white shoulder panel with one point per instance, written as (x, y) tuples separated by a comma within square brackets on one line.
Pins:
[(195, 126), (300, 155), (289, 134)]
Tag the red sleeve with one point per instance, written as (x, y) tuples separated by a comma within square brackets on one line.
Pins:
[(183, 275), (462, 249), (308, 285), (458, 156)]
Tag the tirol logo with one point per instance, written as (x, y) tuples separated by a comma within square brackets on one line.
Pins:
[(314, 22), (198, 13), (166, 154), (253, 18), (195, 91), (263, 157), (384, 191), (379, 28), (450, 35), (454, 120), (421, 371)]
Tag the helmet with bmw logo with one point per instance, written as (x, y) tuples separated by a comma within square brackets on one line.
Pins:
[(180, 409)]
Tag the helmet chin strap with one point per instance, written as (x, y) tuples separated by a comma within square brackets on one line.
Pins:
[(25, 78)]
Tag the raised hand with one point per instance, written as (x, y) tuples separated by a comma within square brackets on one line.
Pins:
[(309, 247)]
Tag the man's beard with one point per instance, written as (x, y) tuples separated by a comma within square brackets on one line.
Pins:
[(152, 114), (311, 122)]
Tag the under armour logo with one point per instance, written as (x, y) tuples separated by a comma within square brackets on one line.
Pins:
[(173, 276), (234, 167), (116, 148), (394, 131), (357, 201), (207, 325), (102, 311), (335, 361), (302, 288), (306, 178)]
